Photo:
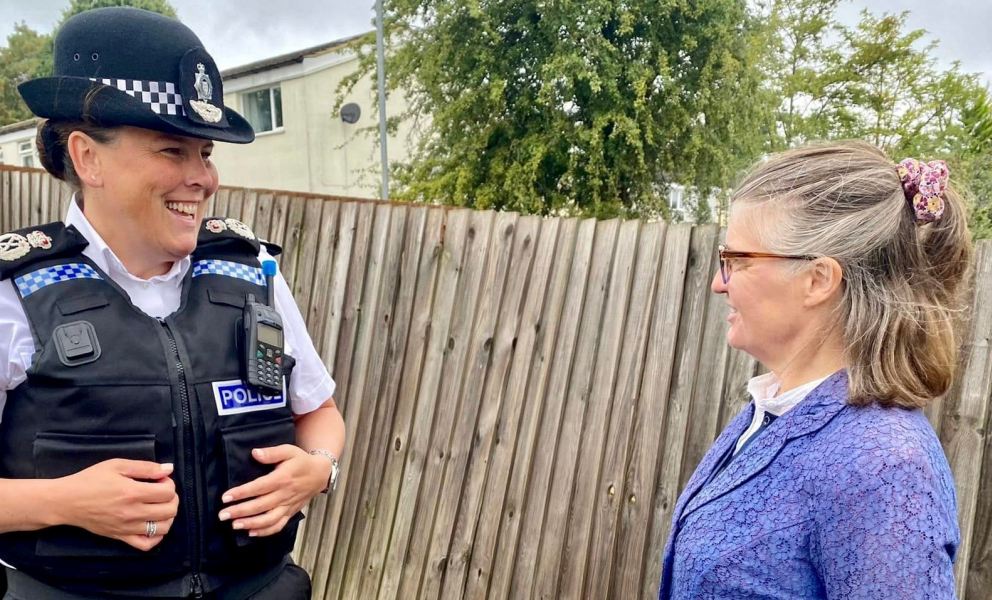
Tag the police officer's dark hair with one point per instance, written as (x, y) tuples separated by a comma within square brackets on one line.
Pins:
[(53, 145)]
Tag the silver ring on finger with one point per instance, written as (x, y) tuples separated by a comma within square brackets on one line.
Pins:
[(150, 528)]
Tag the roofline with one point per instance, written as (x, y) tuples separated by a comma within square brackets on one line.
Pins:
[(289, 58), (20, 125)]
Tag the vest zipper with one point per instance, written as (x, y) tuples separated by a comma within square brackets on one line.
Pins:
[(192, 515)]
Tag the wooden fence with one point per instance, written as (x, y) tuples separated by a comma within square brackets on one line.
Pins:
[(525, 398)]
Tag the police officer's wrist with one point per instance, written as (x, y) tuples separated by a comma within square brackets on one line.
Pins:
[(330, 459)]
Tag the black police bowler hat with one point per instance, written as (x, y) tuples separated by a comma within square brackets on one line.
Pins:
[(126, 66)]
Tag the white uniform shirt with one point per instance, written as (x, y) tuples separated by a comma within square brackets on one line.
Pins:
[(158, 297), (763, 390)]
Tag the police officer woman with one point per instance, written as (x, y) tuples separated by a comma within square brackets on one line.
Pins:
[(139, 456)]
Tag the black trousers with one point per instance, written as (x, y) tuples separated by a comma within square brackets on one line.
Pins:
[(292, 583)]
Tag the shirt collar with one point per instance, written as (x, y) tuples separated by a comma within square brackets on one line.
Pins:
[(100, 253), (763, 390)]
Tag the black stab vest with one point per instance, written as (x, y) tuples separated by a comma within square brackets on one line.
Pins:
[(163, 391)]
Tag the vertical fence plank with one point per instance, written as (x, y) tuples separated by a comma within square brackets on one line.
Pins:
[(25, 195), (41, 185), (399, 441), (640, 479), (278, 220), (487, 436), (518, 395), (580, 388), (453, 374), (347, 341), (358, 405), (604, 520), (6, 200), (326, 249), (336, 256), (309, 237), (963, 432), (377, 320), (222, 200), (291, 242), (247, 215), (481, 352), (327, 231), (695, 301), (546, 320), (527, 555), (235, 202), (261, 215), (15, 201), (591, 437), (980, 566), (406, 239), (707, 394), (452, 260)]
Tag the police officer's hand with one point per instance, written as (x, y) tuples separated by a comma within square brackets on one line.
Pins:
[(267, 503), (116, 499)]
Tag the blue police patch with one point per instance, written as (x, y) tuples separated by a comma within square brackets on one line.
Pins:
[(235, 397), (229, 269), (42, 278)]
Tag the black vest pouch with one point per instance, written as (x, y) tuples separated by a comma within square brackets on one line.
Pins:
[(242, 467), (58, 455)]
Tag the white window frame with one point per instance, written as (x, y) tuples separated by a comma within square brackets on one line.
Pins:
[(25, 150), (272, 103), (676, 197)]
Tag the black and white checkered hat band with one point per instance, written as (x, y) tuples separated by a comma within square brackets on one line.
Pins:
[(160, 96)]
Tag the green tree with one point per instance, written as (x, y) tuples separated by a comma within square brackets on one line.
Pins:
[(977, 162), (20, 61), (803, 66), (557, 106)]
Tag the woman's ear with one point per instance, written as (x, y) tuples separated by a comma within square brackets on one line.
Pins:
[(824, 279), (85, 159)]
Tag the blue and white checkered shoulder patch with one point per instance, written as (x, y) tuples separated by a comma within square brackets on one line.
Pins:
[(34, 281), (229, 269)]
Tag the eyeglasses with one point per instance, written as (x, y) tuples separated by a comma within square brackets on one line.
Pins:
[(727, 267)]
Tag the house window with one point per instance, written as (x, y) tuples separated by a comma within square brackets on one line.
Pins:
[(1, 156), (263, 109), (27, 154), (676, 195)]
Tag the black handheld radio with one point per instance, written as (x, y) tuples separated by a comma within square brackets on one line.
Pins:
[(263, 340)]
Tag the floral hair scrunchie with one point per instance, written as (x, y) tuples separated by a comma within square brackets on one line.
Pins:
[(924, 185)]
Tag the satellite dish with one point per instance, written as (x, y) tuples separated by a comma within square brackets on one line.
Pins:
[(350, 113)]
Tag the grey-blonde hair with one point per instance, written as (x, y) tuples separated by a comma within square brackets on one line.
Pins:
[(903, 284)]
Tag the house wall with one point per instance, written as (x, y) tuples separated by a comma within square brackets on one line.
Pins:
[(315, 151), (9, 146)]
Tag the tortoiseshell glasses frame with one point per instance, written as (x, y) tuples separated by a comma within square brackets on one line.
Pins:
[(727, 268)]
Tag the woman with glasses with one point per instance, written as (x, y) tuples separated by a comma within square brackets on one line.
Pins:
[(844, 275)]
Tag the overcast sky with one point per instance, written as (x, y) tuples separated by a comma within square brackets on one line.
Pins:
[(237, 32)]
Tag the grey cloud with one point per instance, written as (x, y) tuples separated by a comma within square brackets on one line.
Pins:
[(235, 32)]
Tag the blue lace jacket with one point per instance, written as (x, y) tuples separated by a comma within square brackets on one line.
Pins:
[(831, 501)]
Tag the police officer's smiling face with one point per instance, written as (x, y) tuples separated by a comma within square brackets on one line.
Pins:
[(153, 195)]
